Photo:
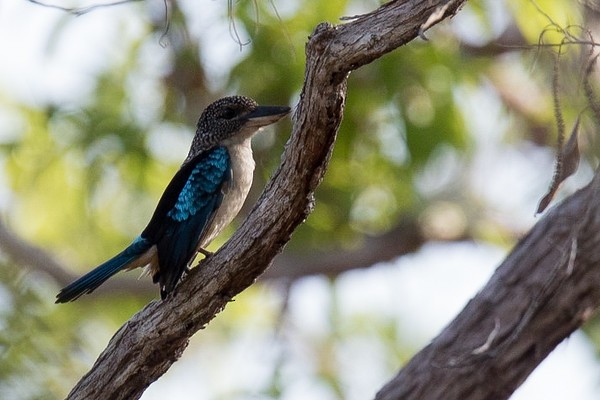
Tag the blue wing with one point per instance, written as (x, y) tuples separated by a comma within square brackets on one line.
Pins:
[(182, 215), (184, 212)]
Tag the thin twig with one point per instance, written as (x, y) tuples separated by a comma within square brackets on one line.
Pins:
[(78, 11)]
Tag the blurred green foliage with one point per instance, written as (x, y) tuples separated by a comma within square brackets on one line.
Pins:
[(83, 177)]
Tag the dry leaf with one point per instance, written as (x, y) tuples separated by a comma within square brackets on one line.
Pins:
[(567, 162)]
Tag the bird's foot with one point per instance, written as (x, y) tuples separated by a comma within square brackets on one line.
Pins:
[(205, 253)]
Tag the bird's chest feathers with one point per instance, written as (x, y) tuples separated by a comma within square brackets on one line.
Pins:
[(236, 189), (213, 193), (242, 171)]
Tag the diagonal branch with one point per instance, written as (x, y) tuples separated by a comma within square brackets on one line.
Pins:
[(545, 289), (152, 340)]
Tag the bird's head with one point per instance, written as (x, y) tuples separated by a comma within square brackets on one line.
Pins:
[(232, 120)]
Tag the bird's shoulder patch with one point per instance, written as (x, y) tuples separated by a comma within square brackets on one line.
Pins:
[(204, 181)]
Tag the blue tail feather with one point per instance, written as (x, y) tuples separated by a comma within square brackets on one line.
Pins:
[(90, 281)]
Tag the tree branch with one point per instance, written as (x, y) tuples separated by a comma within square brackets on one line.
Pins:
[(25, 253), (545, 289), (405, 238), (38, 259), (78, 11), (152, 340)]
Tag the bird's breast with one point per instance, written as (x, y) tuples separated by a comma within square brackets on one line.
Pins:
[(235, 192)]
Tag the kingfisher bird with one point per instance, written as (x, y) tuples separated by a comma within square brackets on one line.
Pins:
[(202, 198)]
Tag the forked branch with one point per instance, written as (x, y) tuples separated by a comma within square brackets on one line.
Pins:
[(150, 342)]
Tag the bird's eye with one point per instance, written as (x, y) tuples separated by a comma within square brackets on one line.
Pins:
[(228, 113)]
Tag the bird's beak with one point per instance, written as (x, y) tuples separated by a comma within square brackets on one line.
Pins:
[(266, 115)]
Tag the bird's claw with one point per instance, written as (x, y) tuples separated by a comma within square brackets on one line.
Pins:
[(205, 253)]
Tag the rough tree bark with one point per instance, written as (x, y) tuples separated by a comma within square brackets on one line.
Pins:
[(152, 340), (545, 289)]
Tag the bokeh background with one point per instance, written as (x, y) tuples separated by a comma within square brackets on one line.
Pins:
[(446, 147)]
